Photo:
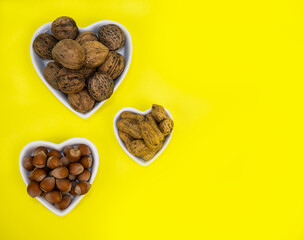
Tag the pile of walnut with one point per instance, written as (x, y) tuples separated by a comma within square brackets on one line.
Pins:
[(58, 177), (144, 135), (85, 66)]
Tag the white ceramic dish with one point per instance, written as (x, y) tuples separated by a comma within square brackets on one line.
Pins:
[(122, 144), (39, 63), (28, 150)]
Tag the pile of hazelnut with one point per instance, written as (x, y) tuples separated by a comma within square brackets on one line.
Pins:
[(57, 176), (85, 65)]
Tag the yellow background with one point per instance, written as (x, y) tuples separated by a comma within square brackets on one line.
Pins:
[(230, 72)]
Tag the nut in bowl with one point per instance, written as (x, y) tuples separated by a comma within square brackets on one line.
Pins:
[(46, 170), (66, 59), (144, 132)]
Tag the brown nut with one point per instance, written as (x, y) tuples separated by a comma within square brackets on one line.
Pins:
[(47, 184), (130, 115), (86, 161), (149, 135), (76, 168), (139, 148), (100, 86), (87, 72), (64, 185), (28, 163), (111, 36), (72, 192), (113, 66), (152, 153), (73, 154), (85, 37), (60, 172), (127, 140), (71, 177), (66, 149), (158, 112), (95, 53), (53, 162), (64, 28), (70, 81), (65, 202), (53, 197), (65, 161), (33, 189), (84, 149), (69, 54), (166, 126), (54, 153), (39, 160), (50, 73), (84, 176), (151, 120), (131, 127), (82, 188), (39, 149), (30, 176), (82, 101), (44, 44), (38, 174)]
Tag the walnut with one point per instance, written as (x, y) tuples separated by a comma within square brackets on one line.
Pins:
[(87, 72), (114, 65), (85, 37), (44, 44), (100, 86), (95, 53), (70, 81), (69, 54), (50, 73), (82, 101), (111, 36), (64, 28)]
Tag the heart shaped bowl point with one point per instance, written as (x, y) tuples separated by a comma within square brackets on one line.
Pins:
[(30, 147), (39, 63), (123, 145)]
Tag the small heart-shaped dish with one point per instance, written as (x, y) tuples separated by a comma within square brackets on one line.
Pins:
[(39, 63), (28, 150), (122, 144)]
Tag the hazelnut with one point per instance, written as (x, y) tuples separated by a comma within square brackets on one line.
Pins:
[(76, 168), (85, 37), (84, 176), (54, 153), (72, 192), (111, 36), (53, 197), (113, 66), (66, 149), (64, 28), (100, 86), (64, 185), (30, 176), (50, 73), (53, 162), (70, 81), (47, 184), (33, 189), (81, 101), (84, 149), (95, 53), (39, 160), (38, 174), (44, 44), (39, 149), (65, 161), (82, 188), (28, 163), (73, 154), (86, 161), (60, 172), (72, 177), (65, 202)]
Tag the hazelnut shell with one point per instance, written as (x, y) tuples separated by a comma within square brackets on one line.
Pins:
[(73, 154), (65, 202), (33, 189), (84, 149), (86, 161), (84, 176), (54, 153), (47, 184), (39, 160), (60, 172), (53, 197), (64, 185), (39, 149), (53, 162), (82, 188), (38, 174), (27, 163), (75, 168)]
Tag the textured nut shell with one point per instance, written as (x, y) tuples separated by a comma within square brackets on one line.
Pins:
[(39, 160), (158, 112), (152, 153), (65, 161), (73, 154), (84, 149), (44, 44), (27, 163), (95, 53), (39, 149), (75, 168), (139, 148), (111, 36), (47, 184), (87, 72), (64, 185), (50, 73), (69, 54), (166, 126), (86, 161), (114, 65), (149, 135), (130, 127), (64, 28), (100, 86), (54, 153), (127, 140), (53, 162), (53, 197), (60, 172), (130, 115), (82, 101), (85, 37), (84, 176), (38, 174), (33, 189), (65, 202), (82, 188), (151, 120), (70, 81)]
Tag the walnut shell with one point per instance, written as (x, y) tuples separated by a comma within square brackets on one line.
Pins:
[(100, 86), (111, 36), (64, 28), (85, 37), (44, 44), (69, 54), (70, 81), (95, 53), (87, 72), (82, 101), (114, 65), (50, 73)]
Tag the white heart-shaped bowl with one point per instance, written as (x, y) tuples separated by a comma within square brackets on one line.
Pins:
[(39, 63), (28, 150), (123, 145)]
